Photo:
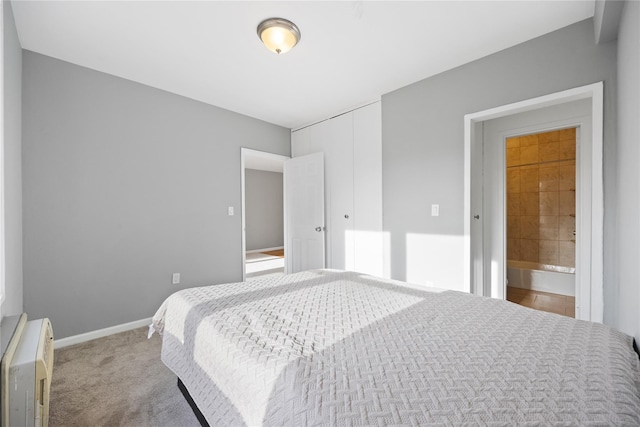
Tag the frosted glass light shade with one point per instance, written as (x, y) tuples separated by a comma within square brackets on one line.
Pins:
[(278, 35)]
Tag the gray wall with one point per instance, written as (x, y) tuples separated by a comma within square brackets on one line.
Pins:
[(264, 218), (627, 295), (12, 164), (123, 185), (423, 141)]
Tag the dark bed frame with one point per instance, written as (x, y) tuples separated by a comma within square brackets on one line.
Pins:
[(194, 407)]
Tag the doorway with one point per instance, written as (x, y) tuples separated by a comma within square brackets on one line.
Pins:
[(541, 220), (485, 200), (262, 214)]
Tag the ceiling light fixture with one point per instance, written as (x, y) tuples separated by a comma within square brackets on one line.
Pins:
[(278, 35)]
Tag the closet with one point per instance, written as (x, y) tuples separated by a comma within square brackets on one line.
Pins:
[(352, 147)]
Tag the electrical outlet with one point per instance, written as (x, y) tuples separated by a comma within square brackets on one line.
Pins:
[(175, 279)]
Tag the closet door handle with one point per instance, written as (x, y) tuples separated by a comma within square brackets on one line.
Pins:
[(346, 216)]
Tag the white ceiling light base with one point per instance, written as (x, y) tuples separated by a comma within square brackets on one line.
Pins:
[(278, 35)]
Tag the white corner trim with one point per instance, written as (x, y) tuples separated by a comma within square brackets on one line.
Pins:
[(2, 168), (78, 339)]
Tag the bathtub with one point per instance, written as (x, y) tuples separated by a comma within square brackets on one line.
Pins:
[(541, 277)]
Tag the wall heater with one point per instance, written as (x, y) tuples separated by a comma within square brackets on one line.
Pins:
[(25, 374)]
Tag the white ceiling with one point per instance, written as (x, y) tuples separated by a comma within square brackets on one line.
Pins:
[(351, 52)]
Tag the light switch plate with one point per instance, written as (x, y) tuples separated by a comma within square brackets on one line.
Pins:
[(435, 210)]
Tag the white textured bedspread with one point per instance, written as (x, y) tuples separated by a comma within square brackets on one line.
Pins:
[(339, 348)]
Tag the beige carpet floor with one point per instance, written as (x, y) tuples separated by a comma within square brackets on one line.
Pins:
[(117, 380)]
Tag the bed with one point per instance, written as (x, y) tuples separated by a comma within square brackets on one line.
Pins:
[(330, 347)]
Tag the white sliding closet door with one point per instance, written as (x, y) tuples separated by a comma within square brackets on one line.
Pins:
[(339, 150), (352, 144), (367, 190)]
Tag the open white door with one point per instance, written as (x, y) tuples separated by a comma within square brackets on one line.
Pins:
[(304, 213)]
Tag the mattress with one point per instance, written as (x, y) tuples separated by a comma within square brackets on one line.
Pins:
[(341, 348)]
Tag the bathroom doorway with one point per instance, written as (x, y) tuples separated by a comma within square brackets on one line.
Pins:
[(541, 220), (485, 221)]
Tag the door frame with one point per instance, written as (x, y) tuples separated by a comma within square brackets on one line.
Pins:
[(494, 222), (244, 154), (590, 288)]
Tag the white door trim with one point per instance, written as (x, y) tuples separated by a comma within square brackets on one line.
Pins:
[(593, 309), (244, 153)]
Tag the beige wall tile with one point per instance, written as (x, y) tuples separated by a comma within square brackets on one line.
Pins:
[(567, 150), (552, 136), (567, 254), (565, 134), (566, 177), (548, 227), (545, 138), (513, 249), (513, 227), (548, 151), (513, 142), (549, 203), (537, 194), (529, 179), (513, 180), (548, 252), (566, 227), (548, 178), (513, 203), (513, 156), (529, 154), (529, 250), (529, 227), (529, 204), (567, 203)]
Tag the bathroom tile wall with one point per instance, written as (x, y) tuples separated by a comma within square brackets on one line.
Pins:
[(541, 197)]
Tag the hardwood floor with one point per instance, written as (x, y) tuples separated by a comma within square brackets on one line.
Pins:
[(277, 252), (545, 301)]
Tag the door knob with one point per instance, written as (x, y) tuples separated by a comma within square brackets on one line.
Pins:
[(318, 229), (346, 216), (476, 216)]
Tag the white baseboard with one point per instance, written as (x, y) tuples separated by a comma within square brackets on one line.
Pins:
[(253, 251), (77, 339)]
